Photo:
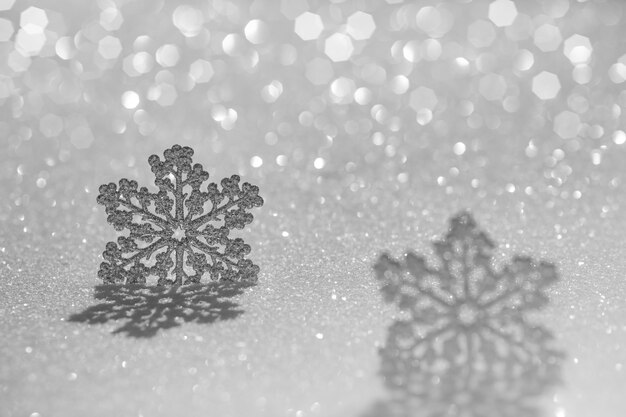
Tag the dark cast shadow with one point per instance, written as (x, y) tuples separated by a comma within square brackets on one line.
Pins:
[(144, 310)]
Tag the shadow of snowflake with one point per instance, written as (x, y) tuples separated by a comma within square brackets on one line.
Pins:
[(144, 310)]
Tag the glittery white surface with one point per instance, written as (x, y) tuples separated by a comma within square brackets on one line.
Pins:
[(366, 126)]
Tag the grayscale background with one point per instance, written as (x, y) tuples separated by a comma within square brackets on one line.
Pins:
[(367, 125)]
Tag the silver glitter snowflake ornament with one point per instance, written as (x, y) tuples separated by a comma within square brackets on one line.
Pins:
[(181, 228)]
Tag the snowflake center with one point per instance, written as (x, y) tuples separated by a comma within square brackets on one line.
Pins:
[(179, 233), (468, 314)]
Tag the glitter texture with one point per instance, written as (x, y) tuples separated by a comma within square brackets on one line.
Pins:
[(363, 134)]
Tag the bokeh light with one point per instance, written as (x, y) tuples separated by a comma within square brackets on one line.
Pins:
[(360, 25), (434, 21), (577, 49), (201, 71), (502, 12), (546, 85), (6, 30), (130, 99), (168, 55), (492, 86), (617, 71), (567, 124), (109, 47), (188, 20), (338, 47), (111, 19), (547, 37), (256, 31), (6, 4), (33, 20), (342, 90), (346, 69), (309, 26), (319, 71), (481, 33)]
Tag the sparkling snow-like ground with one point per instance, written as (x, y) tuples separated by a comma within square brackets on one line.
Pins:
[(342, 179)]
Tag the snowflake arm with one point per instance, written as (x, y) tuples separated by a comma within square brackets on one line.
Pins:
[(405, 282), (523, 284), (245, 198)]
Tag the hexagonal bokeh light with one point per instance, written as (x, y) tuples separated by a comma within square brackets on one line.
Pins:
[(492, 86), (338, 47), (6, 30), (256, 31), (481, 33), (130, 99), (29, 43), (546, 85), (547, 37), (33, 20), (577, 49), (201, 71), (188, 20), (360, 25), (434, 21), (109, 47), (617, 71), (309, 26), (6, 4), (111, 18), (319, 71), (502, 12), (567, 124), (342, 90), (168, 55)]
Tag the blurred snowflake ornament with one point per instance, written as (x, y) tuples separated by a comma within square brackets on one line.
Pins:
[(466, 330), (176, 229)]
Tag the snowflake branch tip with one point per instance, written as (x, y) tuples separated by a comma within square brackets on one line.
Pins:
[(181, 232)]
